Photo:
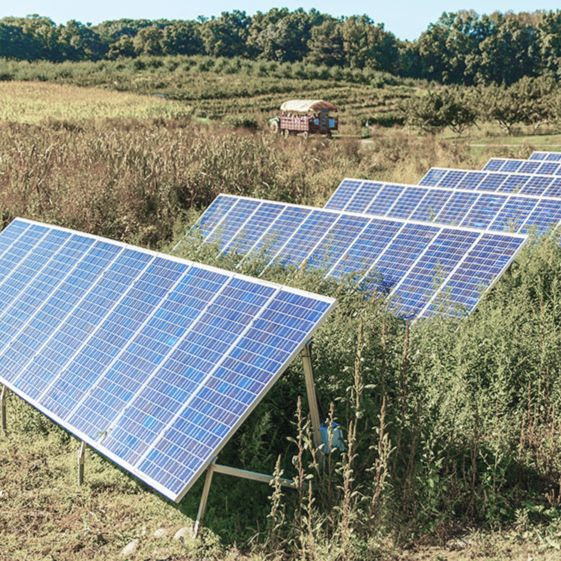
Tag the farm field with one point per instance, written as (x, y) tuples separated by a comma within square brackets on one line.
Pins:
[(465, 463), (217, 93), (32, 102)]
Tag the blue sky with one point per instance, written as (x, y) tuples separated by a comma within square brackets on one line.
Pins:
[(405, 19)]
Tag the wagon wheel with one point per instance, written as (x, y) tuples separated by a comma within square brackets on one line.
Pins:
[(305, 135), (274, 127), (286, 133)]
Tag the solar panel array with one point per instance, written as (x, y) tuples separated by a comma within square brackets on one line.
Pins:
[(426, 268), (503, 212), (152, 360), (549, 156), (510, 165)]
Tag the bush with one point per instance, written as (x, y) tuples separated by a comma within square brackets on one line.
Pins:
[(242, 121)]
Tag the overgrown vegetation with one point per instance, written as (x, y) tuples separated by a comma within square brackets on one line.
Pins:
[(447, 425)]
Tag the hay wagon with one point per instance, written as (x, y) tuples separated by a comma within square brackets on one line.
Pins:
[(305, 117)]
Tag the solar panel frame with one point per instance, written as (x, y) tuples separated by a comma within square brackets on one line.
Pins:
[(276, 289), (402, 222)]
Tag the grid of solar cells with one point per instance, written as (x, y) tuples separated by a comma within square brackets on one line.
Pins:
[(377, 253), (551, 156), (507, 212), (509, 165), (490, 256), (152, 360), (500, 182)]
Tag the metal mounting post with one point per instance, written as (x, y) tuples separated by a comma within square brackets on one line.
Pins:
[(311, 392), (204, 500), (81, 459), (3, 418), (234, 472)]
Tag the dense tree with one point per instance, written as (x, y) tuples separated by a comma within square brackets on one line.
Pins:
[(148, 41), (326, 44), (182, 38), (226, 35), (459, 48), (367, 44)]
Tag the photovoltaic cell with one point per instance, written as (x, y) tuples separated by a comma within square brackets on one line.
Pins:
[(378, 252), (151, 360)]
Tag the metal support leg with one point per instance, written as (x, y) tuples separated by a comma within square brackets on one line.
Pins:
[(311, 391), (81, 459), (204, 500), (4, 420)]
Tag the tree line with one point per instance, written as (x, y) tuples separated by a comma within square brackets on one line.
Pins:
[(459, 48)]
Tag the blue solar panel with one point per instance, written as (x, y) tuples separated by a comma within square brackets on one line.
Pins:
[(545, 216), (310, 233), (484, 210), (151, 360), (214, 214), (458, 205), (344, 194), (431, 205), (548, 156), (416, 289), (386, 198), (408, 201), (494, 164), (508, 211), (336, 242), (378, 252), (280, 231), (254, 228), (523, 166), (497, 181), (487, 259), (471, 180), (548, 168), (398, 256), (362, 198), (367, 247), (237, 217)]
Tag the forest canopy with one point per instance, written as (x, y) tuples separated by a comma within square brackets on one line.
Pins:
[(459, 48)]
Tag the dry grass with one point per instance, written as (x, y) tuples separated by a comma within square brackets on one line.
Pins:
[(34, 102)]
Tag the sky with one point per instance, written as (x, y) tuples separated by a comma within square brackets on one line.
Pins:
[(406, 19)]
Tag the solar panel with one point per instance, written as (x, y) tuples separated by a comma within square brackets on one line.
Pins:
[(496, 181), (410, 260), (551, 156), (152, 360), (510, 165), (504, 212)]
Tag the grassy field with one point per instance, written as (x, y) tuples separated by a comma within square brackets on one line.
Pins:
[(472, 421), (33, 102)]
